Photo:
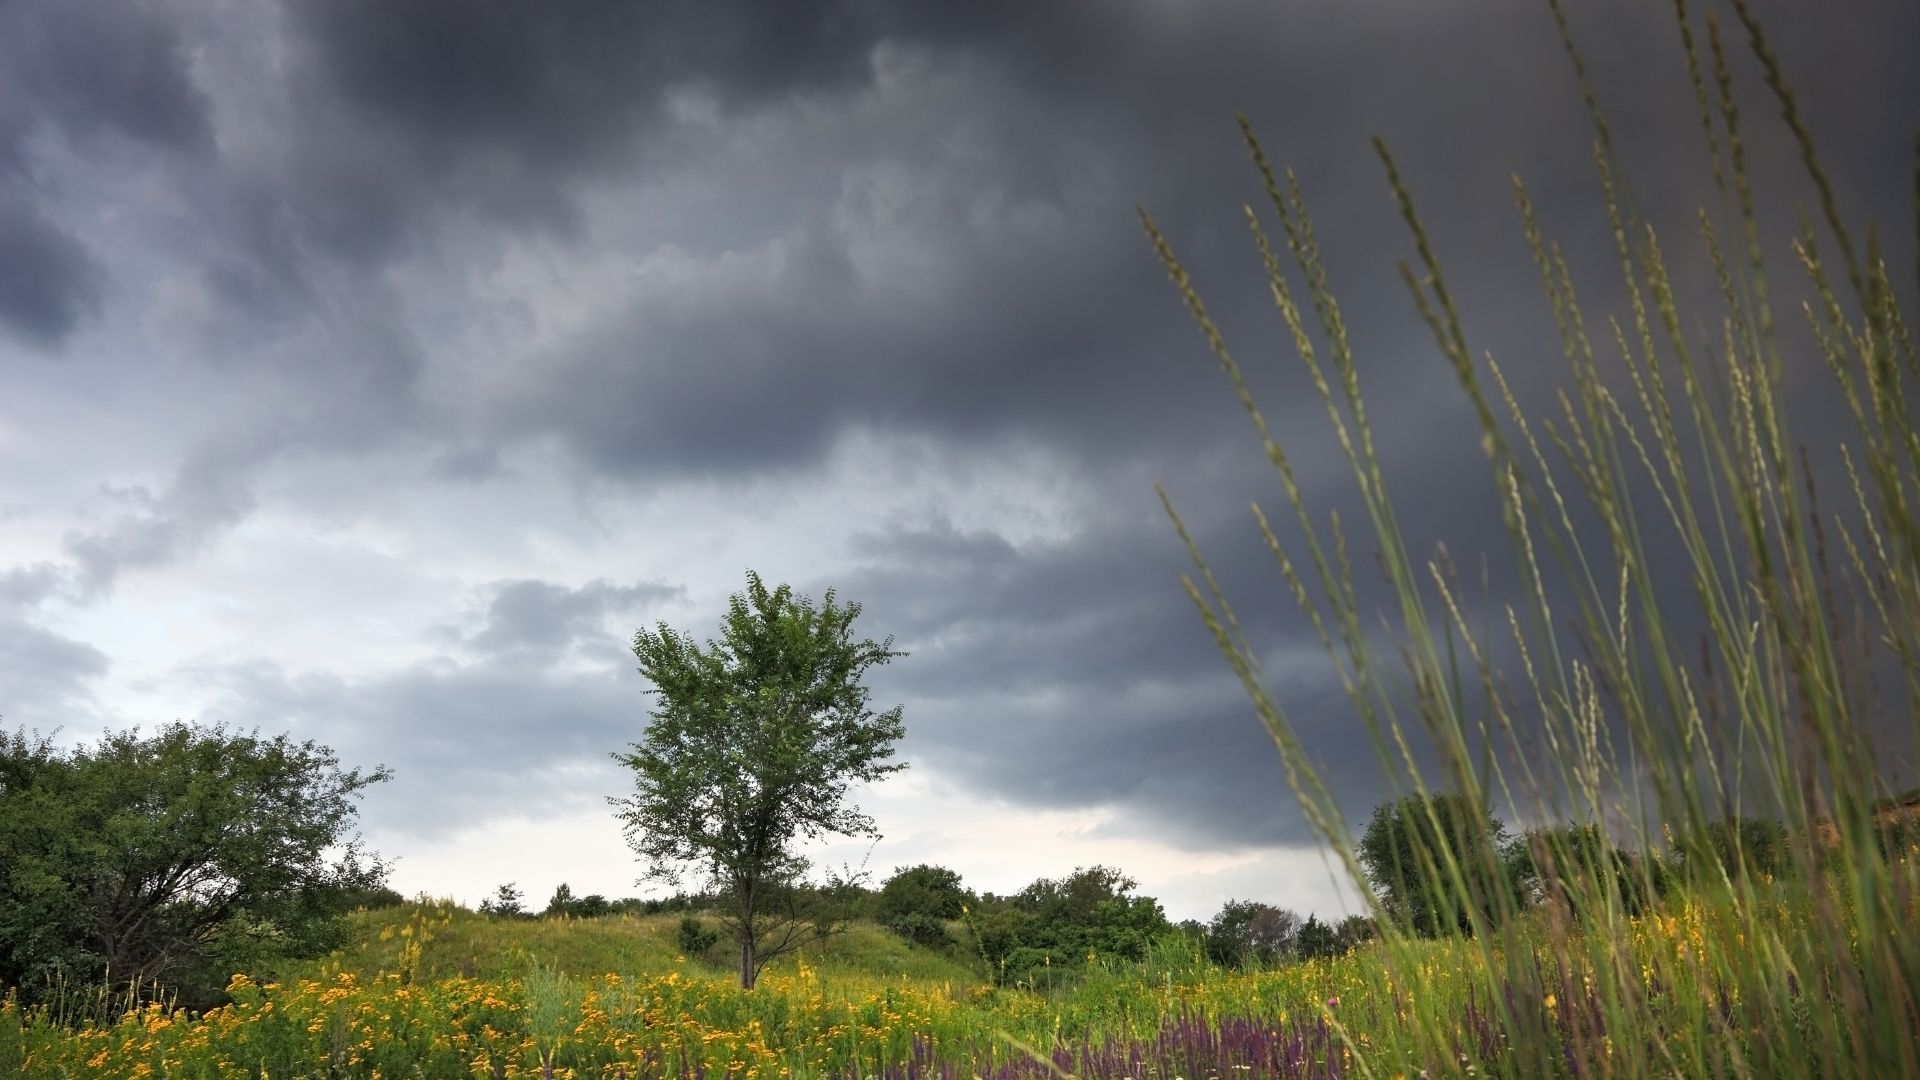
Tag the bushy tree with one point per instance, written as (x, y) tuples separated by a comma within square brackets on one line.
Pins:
[(926, 890), (1408, 848), (1355, 931), (174, 859), (918, 901), (1316, 940), (752, 746), (1248, 933), (1574, 866), (1749, 846)]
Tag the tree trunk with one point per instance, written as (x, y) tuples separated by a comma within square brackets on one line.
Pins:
[(746, 960)]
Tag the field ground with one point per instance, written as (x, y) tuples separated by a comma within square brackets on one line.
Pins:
[(433, 990)]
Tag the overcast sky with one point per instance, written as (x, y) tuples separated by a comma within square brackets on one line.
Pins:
[(374, 368)]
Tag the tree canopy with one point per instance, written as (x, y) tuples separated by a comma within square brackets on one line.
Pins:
[(753, 743), (1419, 852), (1248, 933), (173, 859)]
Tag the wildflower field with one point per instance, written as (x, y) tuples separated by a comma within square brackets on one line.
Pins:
[(390, 1007)]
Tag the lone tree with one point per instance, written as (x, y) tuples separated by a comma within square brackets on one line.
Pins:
[(750, 751), (175, 859)]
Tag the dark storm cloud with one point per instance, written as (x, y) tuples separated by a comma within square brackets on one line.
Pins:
[(1077, 673), (937, 240), (97, 68), (49, 284), (1048, 317), (431, 101), (553, 90), (84, 71)]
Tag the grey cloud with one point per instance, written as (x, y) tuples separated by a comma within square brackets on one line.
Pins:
[(44, 677), (49, 283), (95, 67), (538, 620), (1077, 673), (506, 729), (25, 587), (468, 743), (943, 248), (210, 492), (83, 70)]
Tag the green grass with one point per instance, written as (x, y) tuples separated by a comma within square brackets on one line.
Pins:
[(1685, 448), (442, 940)]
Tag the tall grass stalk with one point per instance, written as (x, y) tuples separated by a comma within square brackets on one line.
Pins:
[(1775, 675)]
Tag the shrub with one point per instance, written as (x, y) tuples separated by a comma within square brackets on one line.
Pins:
[(695, 939), (173, 860), (922, 930), (1058, 922)]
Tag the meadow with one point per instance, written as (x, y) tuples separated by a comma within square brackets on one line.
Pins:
[(433, 990)]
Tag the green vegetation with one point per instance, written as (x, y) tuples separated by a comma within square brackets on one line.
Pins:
[(449, 941), (918, 902), (1404, 846), (750, 752), (1648, 719), (163, 864), (1065, 923)]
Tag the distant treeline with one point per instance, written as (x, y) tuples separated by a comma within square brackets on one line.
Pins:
[(1049, 930), (1045, 932)]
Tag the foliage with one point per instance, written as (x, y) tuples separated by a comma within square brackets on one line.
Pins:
[(372, 898), (695, 939), (564, 905), (168, 861), (1316, 940), (1556, 864), (1682, 620), (1747, 846), (1248, 933), (1435, 862), (924, 890), (404, 1000), (917, 902), (507, 902), (750, 751), (1058, 923)]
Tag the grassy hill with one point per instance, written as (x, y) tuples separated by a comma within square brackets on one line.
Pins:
[(440, 940)]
